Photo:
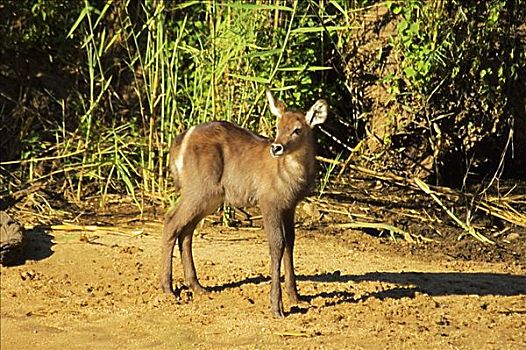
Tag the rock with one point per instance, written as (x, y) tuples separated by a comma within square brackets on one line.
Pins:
[(11, 239), (512, 236)]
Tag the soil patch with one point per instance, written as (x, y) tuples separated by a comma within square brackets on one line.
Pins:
[(100, 290)]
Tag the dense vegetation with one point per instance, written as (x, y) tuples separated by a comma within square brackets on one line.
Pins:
[(93, 92)]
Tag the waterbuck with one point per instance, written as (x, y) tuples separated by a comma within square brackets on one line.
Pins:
[(218, 162)]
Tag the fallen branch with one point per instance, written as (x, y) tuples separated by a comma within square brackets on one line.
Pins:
[(508, 213), (469, 229), (383, 226), (293, 334), (94, 228)]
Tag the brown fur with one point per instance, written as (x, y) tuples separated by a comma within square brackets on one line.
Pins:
[(220, 162)]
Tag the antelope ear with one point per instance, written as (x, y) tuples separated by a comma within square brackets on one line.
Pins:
[(277, 107), (317, 114)]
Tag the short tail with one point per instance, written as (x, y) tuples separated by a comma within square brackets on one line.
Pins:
[(174, 152)]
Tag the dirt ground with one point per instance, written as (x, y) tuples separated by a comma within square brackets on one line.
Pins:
[(99, 291)]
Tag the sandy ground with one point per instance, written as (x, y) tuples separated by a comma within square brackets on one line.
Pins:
[(100, 291)]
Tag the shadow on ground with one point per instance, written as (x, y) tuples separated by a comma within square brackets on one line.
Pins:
[(37, 246), (407, 285), (433, 283)]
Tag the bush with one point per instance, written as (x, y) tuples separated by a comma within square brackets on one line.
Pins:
[(461, 65)]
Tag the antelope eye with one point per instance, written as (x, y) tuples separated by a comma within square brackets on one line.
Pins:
[(296, 131)]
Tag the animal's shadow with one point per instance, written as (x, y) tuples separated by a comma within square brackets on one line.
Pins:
[(407, 284), (37, 246), (236, 284)]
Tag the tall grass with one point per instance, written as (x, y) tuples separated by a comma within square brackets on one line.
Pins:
[(152, 69)]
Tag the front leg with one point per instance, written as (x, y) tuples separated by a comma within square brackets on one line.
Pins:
[(288, 259), (273, 223)]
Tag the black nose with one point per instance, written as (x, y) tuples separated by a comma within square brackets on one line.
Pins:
[(276, 149)]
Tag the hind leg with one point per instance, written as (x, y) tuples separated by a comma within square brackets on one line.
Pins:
[(185, 249), (179, 226), (173, 226), (179, 223)]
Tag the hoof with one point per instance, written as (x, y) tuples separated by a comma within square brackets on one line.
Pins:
[(294, 298), (169, 291), (277, 310), (198, 289), (298, 300), (278, 314)]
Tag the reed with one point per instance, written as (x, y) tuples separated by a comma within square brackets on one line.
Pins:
[(182, 64)]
